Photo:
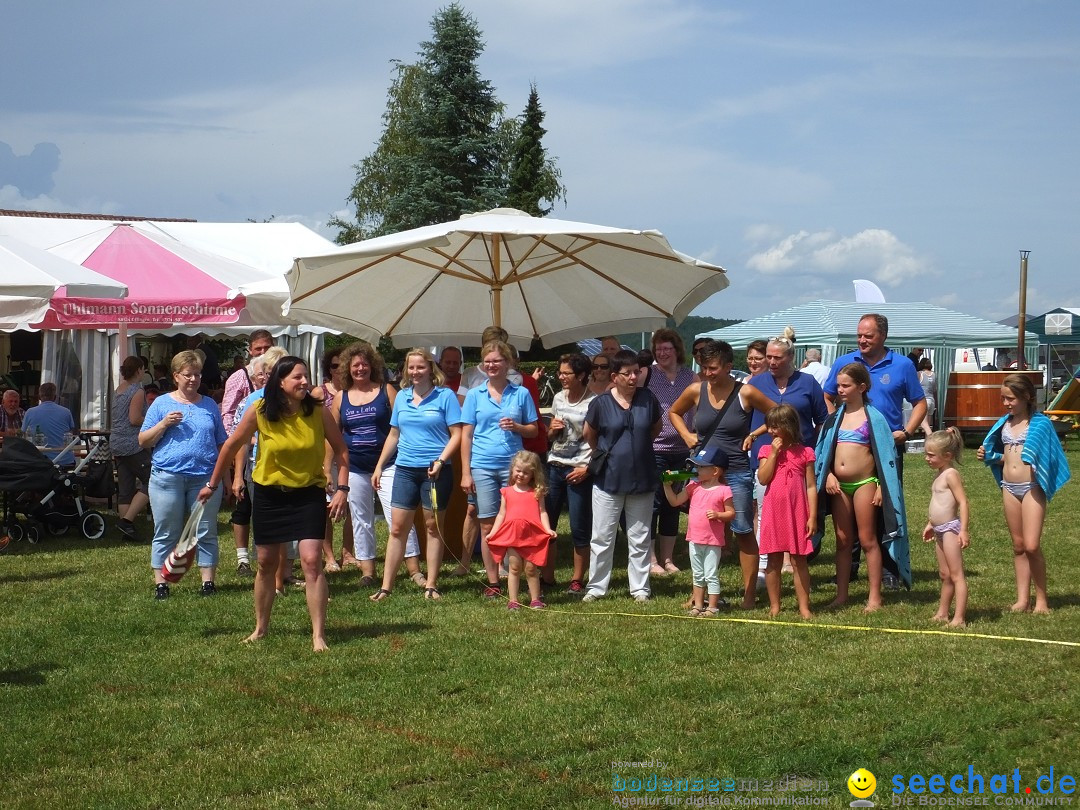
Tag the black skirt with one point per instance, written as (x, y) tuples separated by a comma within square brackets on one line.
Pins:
[(284, 515)]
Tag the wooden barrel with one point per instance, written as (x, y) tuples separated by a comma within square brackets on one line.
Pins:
[(974, 397)]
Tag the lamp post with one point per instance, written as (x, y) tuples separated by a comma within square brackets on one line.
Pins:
[(1023, 309)]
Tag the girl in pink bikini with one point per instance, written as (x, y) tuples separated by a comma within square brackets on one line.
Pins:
[(948, 523)]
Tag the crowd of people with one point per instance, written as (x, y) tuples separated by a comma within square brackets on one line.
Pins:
[(772, 456)]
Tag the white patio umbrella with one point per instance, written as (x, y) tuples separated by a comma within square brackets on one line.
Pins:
[(547, 278), (30, 277)]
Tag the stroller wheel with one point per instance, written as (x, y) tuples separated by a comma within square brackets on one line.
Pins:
[(92, 526), (33, 534), (56, 527)]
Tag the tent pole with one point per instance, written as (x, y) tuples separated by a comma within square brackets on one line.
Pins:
[(1023, 309)]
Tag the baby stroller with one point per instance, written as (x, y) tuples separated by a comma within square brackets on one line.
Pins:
[(49, 496)]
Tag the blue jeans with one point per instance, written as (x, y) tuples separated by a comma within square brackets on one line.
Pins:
[(412, 488), (488, 483), (172, 497), (578, 497), (742, 493)]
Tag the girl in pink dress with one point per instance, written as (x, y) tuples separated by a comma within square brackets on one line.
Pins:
[(522, 532), (789, 509)]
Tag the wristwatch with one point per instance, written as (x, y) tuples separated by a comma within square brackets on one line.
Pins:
[(343, 488)]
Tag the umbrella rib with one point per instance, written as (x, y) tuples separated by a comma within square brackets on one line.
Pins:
[(343, 276), (405, 310), (573, 257), (625, 289)]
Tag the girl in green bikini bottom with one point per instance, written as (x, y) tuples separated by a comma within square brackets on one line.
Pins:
[(853, 487)]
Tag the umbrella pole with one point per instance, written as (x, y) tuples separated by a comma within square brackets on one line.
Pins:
[(496, 289)]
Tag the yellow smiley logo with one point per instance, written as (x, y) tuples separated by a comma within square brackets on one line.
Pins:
[(861, 783)]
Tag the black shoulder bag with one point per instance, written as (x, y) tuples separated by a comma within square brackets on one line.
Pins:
[(706, 437)]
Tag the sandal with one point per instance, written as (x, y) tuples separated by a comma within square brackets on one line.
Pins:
[(379, 595), (419, 579), (432, 593), (696, 612)]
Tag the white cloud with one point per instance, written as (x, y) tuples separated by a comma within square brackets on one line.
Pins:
[(568, 35), (874, 253)]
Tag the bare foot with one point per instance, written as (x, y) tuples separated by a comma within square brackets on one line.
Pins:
[(836, 604), (1043, 609), (806, 614), (671, 568), (461, 571), (319, 644), (774, 612), (657, 570), (747, 605), (937, 617), (1019, 607), (254, 636), (957, 623), (871, 607)]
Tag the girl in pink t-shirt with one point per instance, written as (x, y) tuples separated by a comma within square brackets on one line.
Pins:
[(711, 507), (789, 508)]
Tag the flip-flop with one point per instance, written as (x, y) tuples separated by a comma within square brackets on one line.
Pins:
[(379, 595), (432, 593)]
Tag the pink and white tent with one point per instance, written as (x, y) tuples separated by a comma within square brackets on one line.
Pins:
[(169, 282)]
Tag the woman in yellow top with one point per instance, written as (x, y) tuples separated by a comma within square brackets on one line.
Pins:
[(289, 499)]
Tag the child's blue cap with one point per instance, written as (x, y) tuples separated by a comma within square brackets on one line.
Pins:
[(710, 457)]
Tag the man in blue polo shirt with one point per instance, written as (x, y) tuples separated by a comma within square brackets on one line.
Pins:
[(893, 379), (54, 420)]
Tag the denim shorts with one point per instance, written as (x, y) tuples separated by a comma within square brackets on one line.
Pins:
[(488, 498), (742, 493), (412, 487)]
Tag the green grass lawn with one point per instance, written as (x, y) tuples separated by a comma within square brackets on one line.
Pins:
[(111, 699)]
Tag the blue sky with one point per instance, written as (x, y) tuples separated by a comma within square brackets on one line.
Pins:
[(800, 145)]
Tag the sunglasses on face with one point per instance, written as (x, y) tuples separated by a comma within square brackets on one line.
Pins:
[(600, 366)]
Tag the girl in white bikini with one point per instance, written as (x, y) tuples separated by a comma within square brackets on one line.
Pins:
[(948, 523)]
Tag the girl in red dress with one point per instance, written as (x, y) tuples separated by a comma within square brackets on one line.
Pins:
[(789, 509), (521, 532)]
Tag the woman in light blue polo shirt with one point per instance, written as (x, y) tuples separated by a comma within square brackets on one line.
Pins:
[(497, 416), (185, 432), (425, 431)]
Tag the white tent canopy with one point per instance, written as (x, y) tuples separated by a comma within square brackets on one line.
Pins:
[(833, 325)]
